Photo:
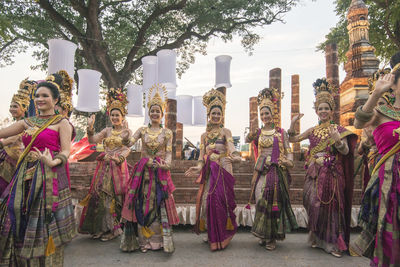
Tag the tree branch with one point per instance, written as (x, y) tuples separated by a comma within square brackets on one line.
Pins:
[(60, 19), (4, 47), (142, 32), (114, 3)]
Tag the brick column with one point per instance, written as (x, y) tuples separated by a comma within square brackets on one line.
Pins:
[(170, 122), (253, 115), (179, 140), (295, 110), (332, 75), (275, 81)]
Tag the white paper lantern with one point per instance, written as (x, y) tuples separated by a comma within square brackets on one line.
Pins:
[(135, 98), (166, 60), (171, 91), (149, 71), (184, 105), (146, 109), (88, 90), (61, 56), (199, 111), (222, 71)]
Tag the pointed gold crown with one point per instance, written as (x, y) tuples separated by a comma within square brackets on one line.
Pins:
[(66, 91), (269, 97), (22, 97), (116, 99), (156, 99), (324, 93), (388, 96), (214, 98)]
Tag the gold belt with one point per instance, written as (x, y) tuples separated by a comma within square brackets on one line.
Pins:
[(217, 157)]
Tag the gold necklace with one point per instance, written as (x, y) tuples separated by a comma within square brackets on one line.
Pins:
[(322, 131), (266, 138), (153, 143), (267, 132)]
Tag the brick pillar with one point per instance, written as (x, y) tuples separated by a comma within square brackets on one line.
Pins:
[(275, 81), (179, 140), (332, 75), (295, 110), (253, 115), (170, 123), (223, 90)]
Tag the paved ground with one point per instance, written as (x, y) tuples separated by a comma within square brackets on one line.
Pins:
[(191, 251)]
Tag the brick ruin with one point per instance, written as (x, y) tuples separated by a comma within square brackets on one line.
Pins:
[(361, 64)]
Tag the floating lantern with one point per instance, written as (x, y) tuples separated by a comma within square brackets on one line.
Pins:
[(184, 109), (199, 111), (88, 90), (222, 71), (166, 60), (135, 98), (61, 56), (149, 71)]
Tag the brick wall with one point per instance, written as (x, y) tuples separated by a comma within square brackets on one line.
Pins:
[(186, 189)]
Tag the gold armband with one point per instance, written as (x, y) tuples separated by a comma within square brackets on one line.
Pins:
[(201, 146), (291, 133), (362, 115), (230, 140), (169, 148)]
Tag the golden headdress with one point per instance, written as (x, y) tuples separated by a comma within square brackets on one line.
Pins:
[(66, 91), (156, 99), (116, 99), (269, 97), (324, 93), (214, 98), (395, 68), (388, 96), (22, 97)]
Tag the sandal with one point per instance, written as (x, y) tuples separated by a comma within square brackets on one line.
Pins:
[(143, 250), (108, 237), (262, 242), (97, 236), (271, 245), (337, 254)]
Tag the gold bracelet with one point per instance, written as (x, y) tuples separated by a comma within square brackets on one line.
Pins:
[(63, 159), (90, 131)]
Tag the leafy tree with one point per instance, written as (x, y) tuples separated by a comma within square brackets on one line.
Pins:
[(113, 35), (384, 31)]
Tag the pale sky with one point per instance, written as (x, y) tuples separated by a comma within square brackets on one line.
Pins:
[(290, 46)]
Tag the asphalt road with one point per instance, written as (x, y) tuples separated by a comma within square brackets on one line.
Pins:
[(190, 250)]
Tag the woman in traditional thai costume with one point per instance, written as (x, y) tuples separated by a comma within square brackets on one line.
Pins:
[(328, 188), (379, 214), (36, 212), (274, 215), (149, 201), (12, 147), (215, 203), (103, 204), (367, 148)]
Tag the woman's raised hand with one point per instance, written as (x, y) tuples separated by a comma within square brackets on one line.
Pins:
[(91, 121)]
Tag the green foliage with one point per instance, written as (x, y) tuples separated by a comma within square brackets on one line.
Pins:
[(113, 35), (384, 32)]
